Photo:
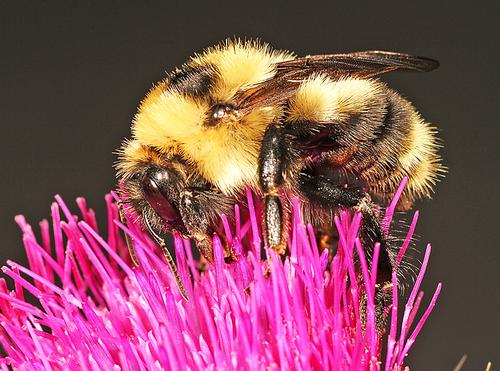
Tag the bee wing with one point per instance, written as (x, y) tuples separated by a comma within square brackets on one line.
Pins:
[(289, 74), (361, 64)]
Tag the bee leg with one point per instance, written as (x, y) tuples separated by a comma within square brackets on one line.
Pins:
[(128, 240), (170, 261), (320, 190), (273, 162), (370, 233), (198, 206)]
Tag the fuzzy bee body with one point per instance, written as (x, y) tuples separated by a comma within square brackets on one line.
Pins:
[(241, 114)]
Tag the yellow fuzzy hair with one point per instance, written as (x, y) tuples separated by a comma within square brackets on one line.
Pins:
[(322, 99), (241, 64), (421, 163), (226, 155)]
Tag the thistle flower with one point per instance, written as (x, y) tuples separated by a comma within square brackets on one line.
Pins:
[(92, 310)]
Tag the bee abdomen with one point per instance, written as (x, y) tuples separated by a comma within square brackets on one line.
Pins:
[(420, 163), (405, 146), (378, 158), (364, 128)]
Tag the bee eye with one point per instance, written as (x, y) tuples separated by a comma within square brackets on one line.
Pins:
[(159, 187)]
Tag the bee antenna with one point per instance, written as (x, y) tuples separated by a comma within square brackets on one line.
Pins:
[(170, 261), (128, 240)]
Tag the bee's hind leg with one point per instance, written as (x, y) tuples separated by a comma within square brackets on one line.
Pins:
[(327, 193)]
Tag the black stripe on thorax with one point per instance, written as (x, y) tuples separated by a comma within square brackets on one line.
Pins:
[(195, 81)]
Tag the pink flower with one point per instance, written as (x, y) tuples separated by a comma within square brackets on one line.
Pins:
[(93, 310)]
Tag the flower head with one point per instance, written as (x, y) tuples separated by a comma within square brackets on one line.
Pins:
[(94, 311)]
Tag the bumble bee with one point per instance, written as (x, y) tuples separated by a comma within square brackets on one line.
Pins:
[(241, 114)]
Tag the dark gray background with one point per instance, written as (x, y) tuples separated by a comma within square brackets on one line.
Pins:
[(71, 77)]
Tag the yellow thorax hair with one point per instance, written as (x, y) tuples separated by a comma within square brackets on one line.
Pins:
[(225, 154)]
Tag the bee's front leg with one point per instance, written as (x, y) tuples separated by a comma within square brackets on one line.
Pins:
[(199, 208), (274, 160)]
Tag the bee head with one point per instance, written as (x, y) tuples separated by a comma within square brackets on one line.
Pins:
[(152, 183)]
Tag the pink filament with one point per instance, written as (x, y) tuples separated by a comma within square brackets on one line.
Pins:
[(97, 311)]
